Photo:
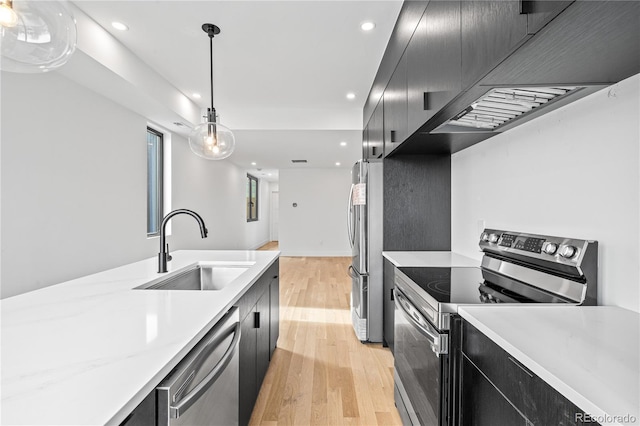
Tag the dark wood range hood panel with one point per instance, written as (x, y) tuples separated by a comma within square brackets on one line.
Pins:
[(591, 44)]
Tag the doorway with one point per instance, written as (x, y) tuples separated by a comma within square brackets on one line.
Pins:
[(273, 226)]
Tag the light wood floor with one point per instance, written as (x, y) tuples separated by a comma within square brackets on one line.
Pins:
[(320, 373), (273, 245)]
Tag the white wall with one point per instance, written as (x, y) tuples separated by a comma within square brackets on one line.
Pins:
[(74, 186), (213, 189), (73, 183), (317, 227), (573, 172)]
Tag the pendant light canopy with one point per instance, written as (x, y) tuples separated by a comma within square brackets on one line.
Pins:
[(211, 140), (36, 36)]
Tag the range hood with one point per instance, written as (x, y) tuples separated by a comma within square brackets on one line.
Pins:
[(500, 106)]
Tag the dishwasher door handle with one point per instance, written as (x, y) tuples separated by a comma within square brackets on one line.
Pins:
[(189, 399)]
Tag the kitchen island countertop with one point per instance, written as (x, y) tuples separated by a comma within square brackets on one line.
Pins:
[(587, 353), (88, 351)]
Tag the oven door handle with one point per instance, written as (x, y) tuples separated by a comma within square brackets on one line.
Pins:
[(439, 342)]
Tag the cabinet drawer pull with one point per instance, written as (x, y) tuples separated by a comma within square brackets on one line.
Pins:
[(521, 367), (391, 291), (393, 136), (425, 101), (256, 320)]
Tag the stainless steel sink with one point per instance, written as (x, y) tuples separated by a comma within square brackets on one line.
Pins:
[(202, 277)]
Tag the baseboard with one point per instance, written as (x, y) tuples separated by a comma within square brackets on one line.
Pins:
[(259, 245)]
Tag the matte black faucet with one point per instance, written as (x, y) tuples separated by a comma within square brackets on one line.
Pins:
[(163, 256)]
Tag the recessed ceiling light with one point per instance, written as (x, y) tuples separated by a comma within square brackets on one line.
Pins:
[(337, 164), (268, 174), (367, 26), (196, 95), (343, 144), (253, 163), (351, 95), (119, 26)]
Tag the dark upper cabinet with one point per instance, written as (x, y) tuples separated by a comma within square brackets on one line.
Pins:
[(491, 30), (395, 108), (375, 134), (541, 12), (417, 77), (455, 51), (365, 142), (433, 58)]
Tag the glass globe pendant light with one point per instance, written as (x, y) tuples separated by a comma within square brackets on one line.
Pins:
[(35, 36), (211, 140)]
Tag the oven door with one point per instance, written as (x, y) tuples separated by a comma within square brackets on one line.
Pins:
[(421, 366)]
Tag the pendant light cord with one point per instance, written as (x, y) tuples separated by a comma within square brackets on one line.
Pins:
[(211, 62)]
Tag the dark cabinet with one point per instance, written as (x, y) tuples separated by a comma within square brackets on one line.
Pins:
[(417, 202), (493, 382), (259, 313), (274, 314), (388, 305), (375, 134), (395, 108), (144, 414), (491, 30), (541, 12), (433, 58), (248, 368), (262, 328), (484, 405)]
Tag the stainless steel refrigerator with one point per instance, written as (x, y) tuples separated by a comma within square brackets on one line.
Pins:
[(365, 236)]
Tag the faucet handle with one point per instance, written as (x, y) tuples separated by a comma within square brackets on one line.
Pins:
[(168, 254)]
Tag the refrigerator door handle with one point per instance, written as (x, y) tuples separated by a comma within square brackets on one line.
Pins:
[(350, 217)]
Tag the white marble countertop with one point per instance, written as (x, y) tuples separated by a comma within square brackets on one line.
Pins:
[(87, 352), (433, 259), (590, 354)]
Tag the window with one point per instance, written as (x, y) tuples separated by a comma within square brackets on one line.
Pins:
[(252, 198), (154, 182)]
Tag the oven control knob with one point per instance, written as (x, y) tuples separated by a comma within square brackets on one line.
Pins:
[(484, 237), (493, 238), (568, 251), (550, 248)]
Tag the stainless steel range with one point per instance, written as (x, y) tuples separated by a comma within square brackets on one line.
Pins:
[(515, 268)]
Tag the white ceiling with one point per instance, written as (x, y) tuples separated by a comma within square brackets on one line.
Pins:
[(282, 68)]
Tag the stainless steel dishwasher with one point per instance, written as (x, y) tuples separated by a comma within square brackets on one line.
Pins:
[(204, 388)]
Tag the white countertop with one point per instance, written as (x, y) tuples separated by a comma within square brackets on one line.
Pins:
[(433, 259), (87, 352), (590, 354)]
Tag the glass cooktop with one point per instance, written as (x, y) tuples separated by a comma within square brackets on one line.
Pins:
[(462, 286)]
